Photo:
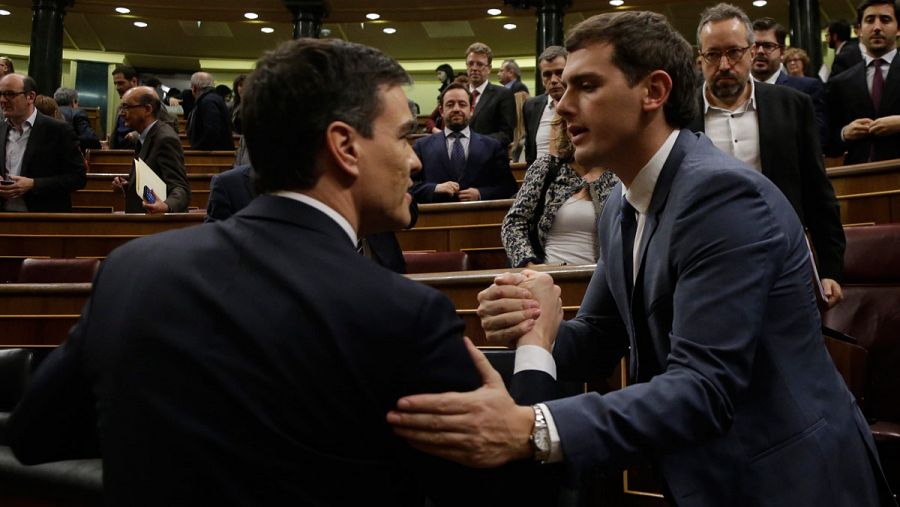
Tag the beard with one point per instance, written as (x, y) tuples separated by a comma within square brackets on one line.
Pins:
[(727, 90), (456, 124)]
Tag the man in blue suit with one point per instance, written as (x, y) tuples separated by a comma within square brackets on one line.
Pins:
[(459, 164), (704, 283)]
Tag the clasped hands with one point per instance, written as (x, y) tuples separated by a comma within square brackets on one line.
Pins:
[(451, 188), (865, 127), (485, 428)]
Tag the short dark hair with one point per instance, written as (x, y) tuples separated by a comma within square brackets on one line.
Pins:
[(766, 24), (454, 86), (551, 53), (297, 91), (841, 28), (869, 3), (29, 84), (127, 72), (151, 81), (643, 42)]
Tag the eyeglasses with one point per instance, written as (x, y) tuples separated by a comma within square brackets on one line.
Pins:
[(131, 106), (9, 95), (714, 56), (767, 47)]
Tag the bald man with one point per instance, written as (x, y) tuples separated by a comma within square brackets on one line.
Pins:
[(40, 165), (160, 148), (208, 127)]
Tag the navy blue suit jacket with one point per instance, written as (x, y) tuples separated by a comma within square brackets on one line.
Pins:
[(732, 391), (487, 169), (275, 349), (209, 127)]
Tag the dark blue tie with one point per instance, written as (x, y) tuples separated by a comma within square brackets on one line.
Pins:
[(457, 154), (629, 229)]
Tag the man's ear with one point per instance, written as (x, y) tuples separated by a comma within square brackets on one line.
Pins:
[(658, 87), (340, 145)]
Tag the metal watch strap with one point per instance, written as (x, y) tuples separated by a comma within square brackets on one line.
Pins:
[(540, 435)]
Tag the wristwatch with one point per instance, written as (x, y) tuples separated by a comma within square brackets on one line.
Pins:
[(540, 436)]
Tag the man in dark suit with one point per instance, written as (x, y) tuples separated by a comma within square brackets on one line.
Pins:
[(232, 190), (495, 106), (221, 364), (538, 111), (767, 53), (158, 146), (459, 164), (510, 76), (703, 282), (864, 101), (209, 125), (39, 158), (846, 50), (67, 99), (771, 129)]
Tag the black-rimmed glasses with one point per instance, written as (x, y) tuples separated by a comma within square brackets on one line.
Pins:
[(714, 56), (9, 95), (767, 47)]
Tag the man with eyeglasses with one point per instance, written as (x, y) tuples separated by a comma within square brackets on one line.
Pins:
[(772, 130), (768, 53), (40, 165), (864, 110), (495, 106)]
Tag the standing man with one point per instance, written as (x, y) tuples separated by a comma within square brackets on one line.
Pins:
[(459, 164), (864, 101), (157, 145), (768, 52), (510, 76), (209, 126), (124, 78), (770, 128), (539, 111), (703, 282), (495, 106), (40, 165), (224, 345), (67, 99), (847, 52)]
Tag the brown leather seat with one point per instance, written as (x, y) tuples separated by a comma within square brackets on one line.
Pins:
[(435, 262), (58, 270), (870, 313)]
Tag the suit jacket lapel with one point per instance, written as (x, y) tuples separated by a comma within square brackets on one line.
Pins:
[(483, 99), (660, 195), (34, 142), (891, 85), (768, 137), (3, 134), (615, 274), (539, 106)]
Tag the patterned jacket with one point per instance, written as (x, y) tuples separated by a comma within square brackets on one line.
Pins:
[(514, 232)]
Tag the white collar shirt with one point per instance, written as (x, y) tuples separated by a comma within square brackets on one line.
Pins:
[(324, 208), (735, 132), (885, 67), (466, 137)]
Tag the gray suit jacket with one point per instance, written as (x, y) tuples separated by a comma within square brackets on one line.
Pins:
[(733, 394), (162, 151)]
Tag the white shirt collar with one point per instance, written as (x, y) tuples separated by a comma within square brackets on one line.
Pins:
[(29, 122), (324, 208), (749, 105), (774, 77), (887, 57), (465, 132), (480, 89), (640, 192)]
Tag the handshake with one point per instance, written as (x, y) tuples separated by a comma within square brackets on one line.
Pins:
[(521, 309)]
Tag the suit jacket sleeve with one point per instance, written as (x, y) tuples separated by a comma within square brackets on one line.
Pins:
[(86, 135), (507, 119), (421, 190), (501, 184), (219, 205), (837, 120), (70, 172), (170, 167), (723, 285), (821, 211)]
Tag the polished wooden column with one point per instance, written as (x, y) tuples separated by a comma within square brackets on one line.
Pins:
[(806, 29)]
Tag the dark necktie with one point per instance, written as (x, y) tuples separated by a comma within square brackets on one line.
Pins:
[(629, 229), (877, 83), (457, 155), (475, 95)]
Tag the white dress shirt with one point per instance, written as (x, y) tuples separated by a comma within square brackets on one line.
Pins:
[(324, 208), (466, 137), (542, 136), (735, 132), (16, 143), (639, 194), (885, 67)]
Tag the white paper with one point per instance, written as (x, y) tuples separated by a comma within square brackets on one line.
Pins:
[(145, 176)]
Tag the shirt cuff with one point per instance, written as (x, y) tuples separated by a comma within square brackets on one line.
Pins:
[(532, 357), (556, 454)]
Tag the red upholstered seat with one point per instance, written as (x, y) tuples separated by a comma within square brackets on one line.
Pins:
[(58, 270)]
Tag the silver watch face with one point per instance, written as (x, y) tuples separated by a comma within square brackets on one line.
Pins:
[(542, 441)]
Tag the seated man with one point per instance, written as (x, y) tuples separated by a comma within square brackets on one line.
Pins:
[(40, 165), (458, 164), (252, 361), (160, 148), (67, 99)]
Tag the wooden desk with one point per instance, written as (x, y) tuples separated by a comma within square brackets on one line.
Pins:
[(463, 213), (191, 157), (103, 181), (868, 193)]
